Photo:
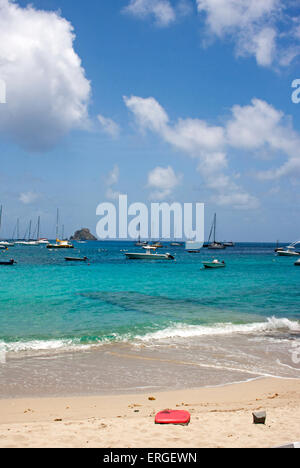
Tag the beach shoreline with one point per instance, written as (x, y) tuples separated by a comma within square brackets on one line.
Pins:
[(220, 417)]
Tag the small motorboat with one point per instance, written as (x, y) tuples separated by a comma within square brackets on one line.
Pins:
[(297, 263), (214, 264), (7, 263), (74, 259), (3, 247), (148, 255), (289, 251)]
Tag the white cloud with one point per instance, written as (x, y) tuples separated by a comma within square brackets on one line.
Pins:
[(253, 25), (27, 198), (113, 179), (109, 126), (197, 139), (260, 126), (47, 91), (257, 130), (162, 11), (163, 181)]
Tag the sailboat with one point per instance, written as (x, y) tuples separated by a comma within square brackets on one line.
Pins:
[(214, 245), (30, 242), (60, 244), (4, 244), (140, 243)]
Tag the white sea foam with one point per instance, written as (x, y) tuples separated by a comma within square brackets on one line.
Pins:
[(182, 330), (38, 345), (2, 353)]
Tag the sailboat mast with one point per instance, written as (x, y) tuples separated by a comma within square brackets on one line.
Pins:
[(215, 226), (18, 229), (1, 216), (29, 235), (57, 223), (38, 228)]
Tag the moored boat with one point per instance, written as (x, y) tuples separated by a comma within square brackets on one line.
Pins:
[(61, 245), (214, 264), (289, 251), (214, 245), (149, 254), (74, 259), (7, 263)]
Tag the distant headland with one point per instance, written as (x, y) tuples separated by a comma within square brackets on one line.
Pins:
[(83, 234)]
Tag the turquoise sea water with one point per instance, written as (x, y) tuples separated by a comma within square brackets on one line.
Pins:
[(45, 301), (118, 325)]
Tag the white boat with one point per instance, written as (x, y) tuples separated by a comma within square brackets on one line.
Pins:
[(43, 241), (297, 263), (31, 242), (7, 244), (289, 251), (149, 254), (214, 264)]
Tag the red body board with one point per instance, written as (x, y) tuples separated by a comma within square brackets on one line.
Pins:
[(173, 417)]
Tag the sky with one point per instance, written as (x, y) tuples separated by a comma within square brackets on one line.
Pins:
[(163, 100)]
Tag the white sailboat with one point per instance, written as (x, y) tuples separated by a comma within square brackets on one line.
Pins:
[(30, 242)]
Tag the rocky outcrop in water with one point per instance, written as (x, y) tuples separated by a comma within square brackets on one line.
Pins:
[(83, 235)]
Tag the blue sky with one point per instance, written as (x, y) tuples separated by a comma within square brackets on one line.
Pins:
[(184, 100)]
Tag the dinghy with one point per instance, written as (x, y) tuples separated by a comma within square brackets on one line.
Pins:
[(8, 263), (74, 259)]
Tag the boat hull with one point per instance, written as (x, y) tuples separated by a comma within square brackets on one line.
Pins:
[(54, 246), (285, 253), (216, 247), (70, 259), (145, 256), (211, 265), (11, 262)]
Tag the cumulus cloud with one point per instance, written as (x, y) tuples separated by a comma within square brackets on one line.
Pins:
[(112, 180), (161, 10), (47, 90), (254, 26), (27, 198), (205, 143), (259, 126), (256, 130), (163, 180), (108, 126)]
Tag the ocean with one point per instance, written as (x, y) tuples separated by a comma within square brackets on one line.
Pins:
[(115, 325)]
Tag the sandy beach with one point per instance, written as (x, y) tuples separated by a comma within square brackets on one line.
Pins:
[(221, 417)]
